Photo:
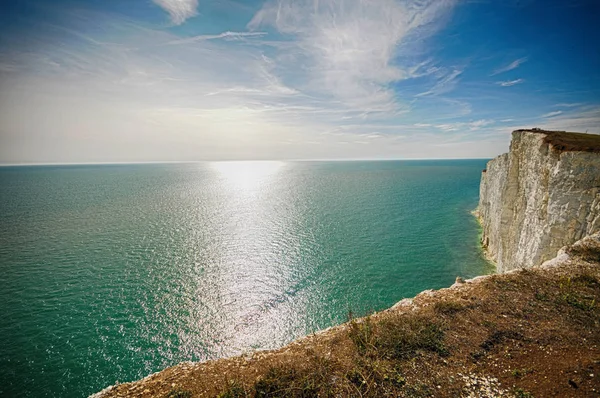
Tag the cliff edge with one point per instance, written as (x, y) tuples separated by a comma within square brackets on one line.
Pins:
[(540, 196), (521, 333), (524, 333)]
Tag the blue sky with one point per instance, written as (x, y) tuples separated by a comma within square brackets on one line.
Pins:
[(168, 80)]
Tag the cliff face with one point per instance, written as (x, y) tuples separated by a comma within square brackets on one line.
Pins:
[(542, 195)]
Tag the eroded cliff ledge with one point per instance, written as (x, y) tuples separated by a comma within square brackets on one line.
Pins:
[(540, 196)]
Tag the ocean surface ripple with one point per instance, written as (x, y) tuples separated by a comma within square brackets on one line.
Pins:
[(113, 272)]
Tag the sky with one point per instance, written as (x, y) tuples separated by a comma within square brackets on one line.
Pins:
[(186, 80)]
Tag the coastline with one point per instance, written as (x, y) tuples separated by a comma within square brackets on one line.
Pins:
[(530, 318), (404, 305), (482, 308)]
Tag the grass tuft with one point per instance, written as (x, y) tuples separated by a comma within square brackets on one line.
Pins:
[(570, 296), (518, 373), (448, 307), (498, 337), (587, 280), (520, 393), (289, 380), (585, 252), (541, 296), (402, 337), (362, 334), (179, 393), (234, 389)]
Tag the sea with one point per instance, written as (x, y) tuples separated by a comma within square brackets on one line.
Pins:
[(111, 272)]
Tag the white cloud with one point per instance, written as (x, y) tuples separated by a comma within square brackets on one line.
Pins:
[(373, 135), (179, 10), (513, 65), (347, 48), (449, 126), (552, 114), (509, 83), (225, 35), (568, 105), (584, 120), (330, 80), (471, 126), (444, 84), (479, 123)]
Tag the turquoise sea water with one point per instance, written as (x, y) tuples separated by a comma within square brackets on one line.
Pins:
[(112, 272)]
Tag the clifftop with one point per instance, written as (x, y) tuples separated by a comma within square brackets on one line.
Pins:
[(522, 334), (564, 141)]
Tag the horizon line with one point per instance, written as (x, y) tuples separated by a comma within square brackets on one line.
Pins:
[(228, 160)]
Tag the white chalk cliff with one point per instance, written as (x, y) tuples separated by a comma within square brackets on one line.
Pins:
[(540, 196)]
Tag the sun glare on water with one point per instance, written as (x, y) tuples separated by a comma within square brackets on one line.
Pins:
[(246, 176), (253, 275)]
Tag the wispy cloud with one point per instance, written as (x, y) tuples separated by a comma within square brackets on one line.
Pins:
[(445, 83), (509, 83), (513, 65), (552, 114), (307, 78), (179, 10), (480, 123), (471, 126), (225, 35), (568, 105), (348, 47), (586, 119)]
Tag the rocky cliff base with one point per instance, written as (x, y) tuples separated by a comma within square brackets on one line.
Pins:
[(527, 333)]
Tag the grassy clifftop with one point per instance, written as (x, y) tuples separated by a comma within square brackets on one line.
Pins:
[(563, 141), (529, 333)]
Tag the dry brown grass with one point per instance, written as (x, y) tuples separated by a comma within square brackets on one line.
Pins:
[(563, 141), (529, 333)]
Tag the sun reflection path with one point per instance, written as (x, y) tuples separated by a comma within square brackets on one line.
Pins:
[(246, 176), (253, 275)]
